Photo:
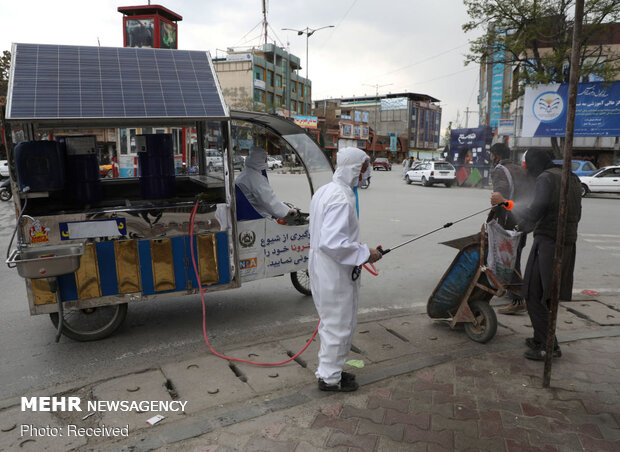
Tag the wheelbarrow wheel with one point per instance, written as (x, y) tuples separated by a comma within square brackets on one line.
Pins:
[(301, 281), (91, 324), (486, 322)]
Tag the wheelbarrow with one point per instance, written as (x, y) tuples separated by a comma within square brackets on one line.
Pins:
[(464, 291)]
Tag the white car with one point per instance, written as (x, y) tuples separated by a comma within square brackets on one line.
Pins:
[(4, 168), (273, 163), (213, 160), (429, 173), (605, 180)]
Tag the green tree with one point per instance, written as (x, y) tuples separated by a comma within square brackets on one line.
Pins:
[(535, 38), (5, 65)]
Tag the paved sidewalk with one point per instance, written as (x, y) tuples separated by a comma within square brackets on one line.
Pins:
[(424, 387)]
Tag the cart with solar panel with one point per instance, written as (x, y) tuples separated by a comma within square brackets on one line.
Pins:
[(88, 246)]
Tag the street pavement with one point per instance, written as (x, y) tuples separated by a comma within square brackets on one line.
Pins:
[(424, 386)]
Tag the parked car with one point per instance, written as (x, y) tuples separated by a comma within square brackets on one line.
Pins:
[(580, 167), (4, 168), (214, 160), (238, 162), (273, 163), (381, 163), (605, 180), (429, 173)]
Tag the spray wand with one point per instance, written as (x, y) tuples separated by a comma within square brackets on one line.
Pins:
[(508, 205)]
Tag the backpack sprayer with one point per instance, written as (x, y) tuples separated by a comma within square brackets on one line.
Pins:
[(508, 205)]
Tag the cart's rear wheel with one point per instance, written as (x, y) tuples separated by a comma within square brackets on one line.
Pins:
[(486, 320), (301, 281), (91, 324)]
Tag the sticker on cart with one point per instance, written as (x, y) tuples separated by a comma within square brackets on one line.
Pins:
[(38, 232), (248, 265), (92, 229)]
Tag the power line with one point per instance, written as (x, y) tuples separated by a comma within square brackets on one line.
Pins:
[(339, 23), (426, 59), (446, 76)]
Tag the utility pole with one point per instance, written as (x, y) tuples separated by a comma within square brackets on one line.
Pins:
[(467, 112), (265, 19), (376, 87)]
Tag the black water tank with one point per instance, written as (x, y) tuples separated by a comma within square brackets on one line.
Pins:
[(40, 166), (81, 168), (156, 165)]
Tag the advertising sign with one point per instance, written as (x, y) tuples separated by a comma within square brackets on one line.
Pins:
[(597, 113), (167, 35), (469, 146), (139, 32), (308, 122), (506, 127), (497, 86)]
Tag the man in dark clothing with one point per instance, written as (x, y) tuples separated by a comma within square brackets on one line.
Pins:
[(541, 216), (511, 181)]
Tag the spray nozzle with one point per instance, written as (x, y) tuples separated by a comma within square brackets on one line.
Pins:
[(508, 205)]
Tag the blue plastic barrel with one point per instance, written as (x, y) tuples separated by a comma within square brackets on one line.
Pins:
[(156, 165)]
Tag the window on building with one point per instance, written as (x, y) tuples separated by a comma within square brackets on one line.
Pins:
[(270, 99), (300, 108), (293, 87), (309, 109), (278, 81), (301, 90), (307, 91), (269, 78), (259, 73), (293, 105), (278, 100), (259, 95)]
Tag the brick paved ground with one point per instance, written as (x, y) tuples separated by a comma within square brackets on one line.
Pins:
[(494, 402)]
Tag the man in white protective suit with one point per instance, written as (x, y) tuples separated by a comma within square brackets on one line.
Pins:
[(255, 186), (335, 251)]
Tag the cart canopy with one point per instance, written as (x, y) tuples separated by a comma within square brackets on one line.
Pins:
[(319, 168)]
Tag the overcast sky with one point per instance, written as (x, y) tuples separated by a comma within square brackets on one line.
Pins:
[(407, 45)]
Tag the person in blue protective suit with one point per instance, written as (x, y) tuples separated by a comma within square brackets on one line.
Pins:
[(253, 182), (335, 250)]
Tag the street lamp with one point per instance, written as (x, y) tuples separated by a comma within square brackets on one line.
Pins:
[(309, 32)]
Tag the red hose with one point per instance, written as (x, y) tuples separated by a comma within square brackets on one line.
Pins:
[(204, 316)]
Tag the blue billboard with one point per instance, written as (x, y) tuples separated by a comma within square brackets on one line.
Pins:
[(597, 112)]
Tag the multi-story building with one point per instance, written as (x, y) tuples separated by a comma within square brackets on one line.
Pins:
[(394, 125), (498, 77), (264, 78)]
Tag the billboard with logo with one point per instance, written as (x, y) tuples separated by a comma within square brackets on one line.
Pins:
[(597, 113)]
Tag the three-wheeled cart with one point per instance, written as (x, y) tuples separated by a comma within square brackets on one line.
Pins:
[(466, 288), (88, 246)]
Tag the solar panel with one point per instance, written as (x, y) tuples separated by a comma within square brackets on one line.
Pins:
[(65, 83)]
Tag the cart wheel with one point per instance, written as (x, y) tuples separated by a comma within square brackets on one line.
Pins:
[(301, 281), (487, 322), (91, 324)]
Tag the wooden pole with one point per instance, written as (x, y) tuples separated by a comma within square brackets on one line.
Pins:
[(566, 170)]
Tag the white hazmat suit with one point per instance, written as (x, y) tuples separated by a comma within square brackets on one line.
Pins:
[(334, 252), (256, 188)]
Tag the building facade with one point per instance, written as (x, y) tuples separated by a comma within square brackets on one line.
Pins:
[(498, 77), (395, 126), (264, 78)]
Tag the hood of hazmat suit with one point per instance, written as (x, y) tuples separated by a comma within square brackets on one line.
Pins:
[(255, 186), (334, 251)]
